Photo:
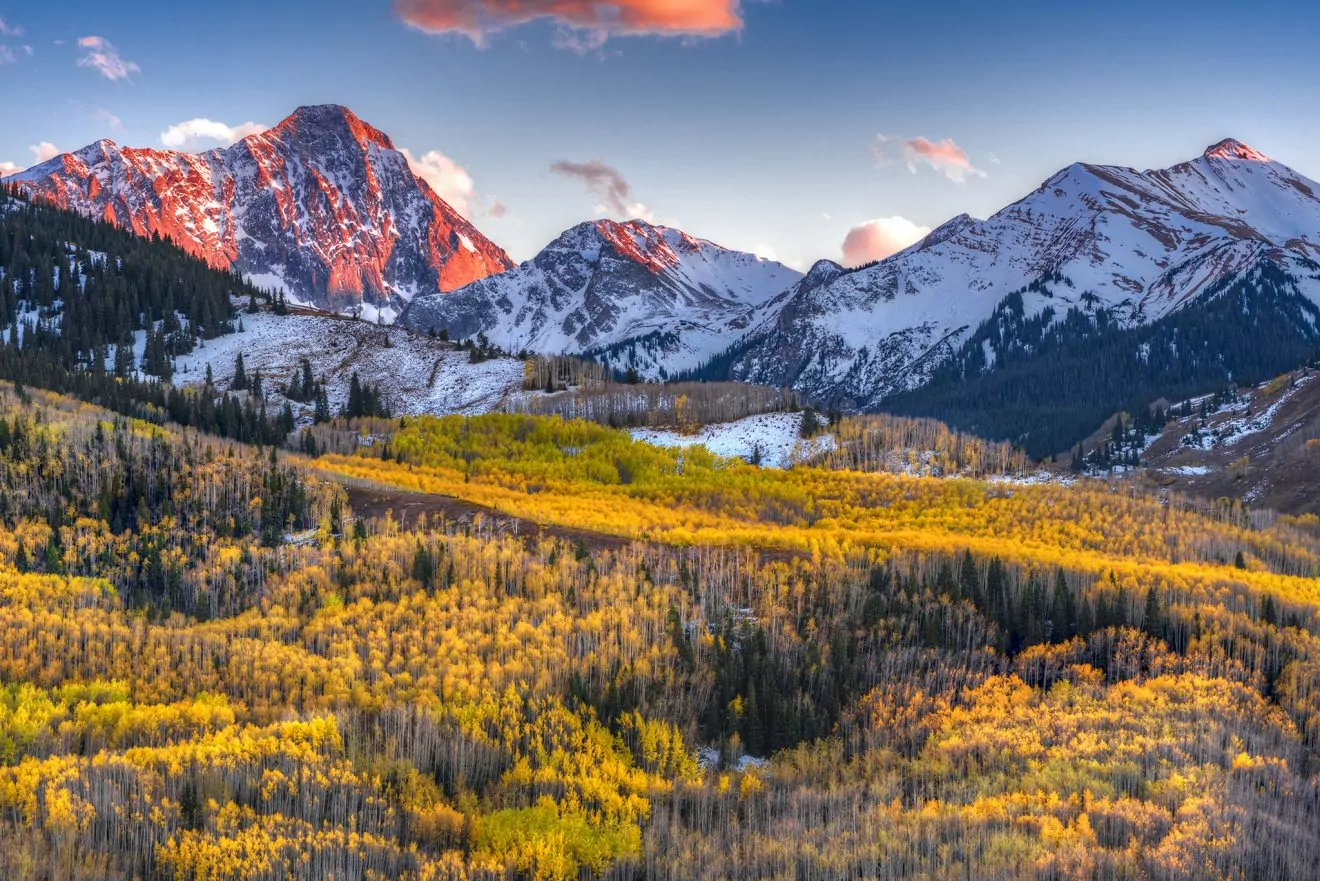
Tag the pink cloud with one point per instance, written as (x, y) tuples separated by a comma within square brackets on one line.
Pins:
[(104, 58), (44, 151), (447, 178), (880, 238), (943, 156), (477, 19), (8, 168)]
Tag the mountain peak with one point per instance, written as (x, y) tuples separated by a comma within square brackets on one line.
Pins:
[(821, 273), (321, 206), (314, 120), (1231, 148)]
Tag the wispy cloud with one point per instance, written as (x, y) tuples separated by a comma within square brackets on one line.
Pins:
[(447, 178), (192, 131), (594, 21), (944, 156), (10, 54), (880, 238), (103, 57), (767, 251), (100, 114), (607, 184)]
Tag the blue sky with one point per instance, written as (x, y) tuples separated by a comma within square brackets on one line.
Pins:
[(762, 137)]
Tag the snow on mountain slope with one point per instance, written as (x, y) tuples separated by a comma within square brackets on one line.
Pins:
[(322, 206), (1261, 446), (1139, 244), (772, 440), (608, 284), (415, 374)]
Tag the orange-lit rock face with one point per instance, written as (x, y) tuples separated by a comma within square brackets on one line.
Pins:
[(322, 201), (646, 244)]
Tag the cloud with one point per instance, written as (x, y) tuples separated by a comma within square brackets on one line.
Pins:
[(608, 185), (7, 53), (103, 57), (8, 30), (944, 156), (595, 20), (878, 239), (496, 209), (8, 168), (767, 251), (447, 178), (44, 151), (108, 118), (202, 129)]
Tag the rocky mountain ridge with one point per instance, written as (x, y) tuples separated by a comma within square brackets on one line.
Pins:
[(322, 206)]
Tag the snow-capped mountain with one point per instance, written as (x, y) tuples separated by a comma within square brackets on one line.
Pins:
[(1139, 245), (322, 206), (647, 297)]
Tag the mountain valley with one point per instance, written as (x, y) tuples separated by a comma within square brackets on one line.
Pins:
[(511, 581)]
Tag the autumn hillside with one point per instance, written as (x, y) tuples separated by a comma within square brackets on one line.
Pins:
[(589, 477), (214, 669)]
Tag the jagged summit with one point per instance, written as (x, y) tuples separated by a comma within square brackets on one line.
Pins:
[(1231, 148), (1138, 245), (658, 248), (314, 123), (655, 295), (322, 206)]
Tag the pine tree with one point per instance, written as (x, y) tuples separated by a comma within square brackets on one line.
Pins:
[(1063, 610), (123, 366), (969, 580), (1153, 618), (322, 409), (1269, 611), (354, 408)]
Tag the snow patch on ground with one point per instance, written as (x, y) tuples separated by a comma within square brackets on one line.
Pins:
[(775, 436), (1189, 470), (751, 763), (709, 759), (266, 281), (1037, 479)]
